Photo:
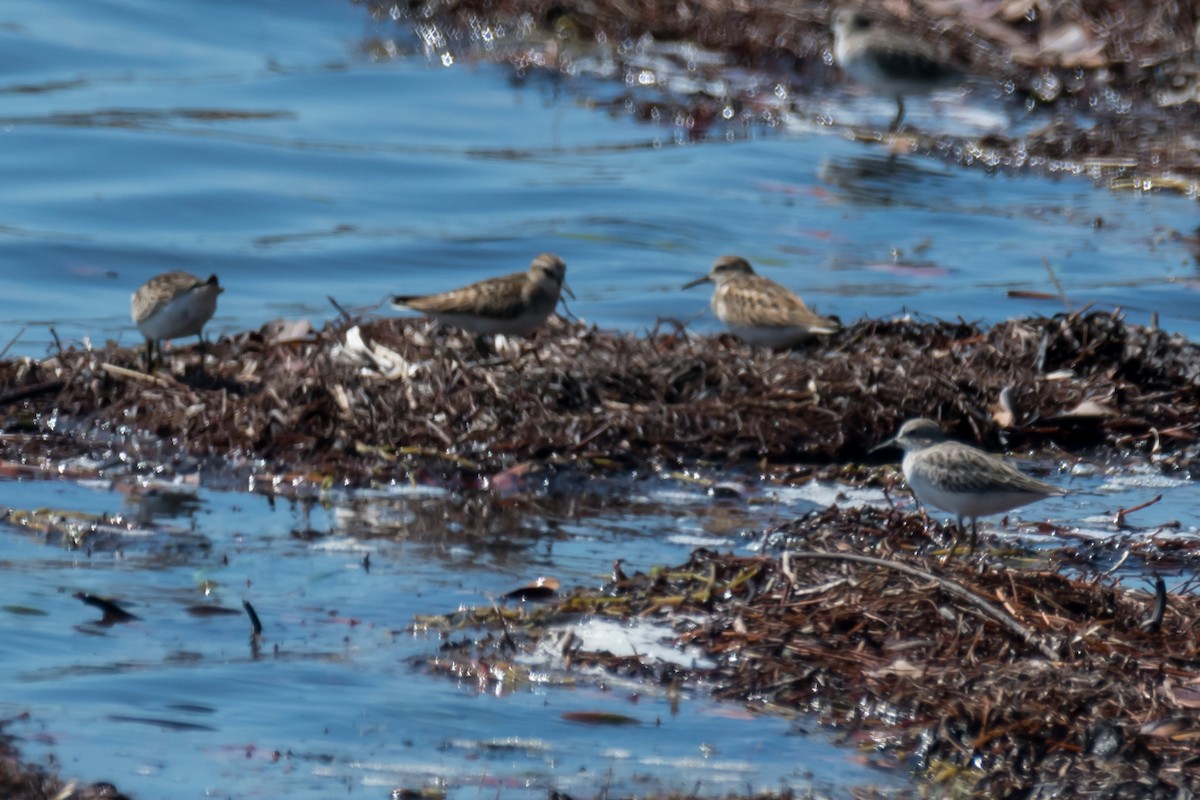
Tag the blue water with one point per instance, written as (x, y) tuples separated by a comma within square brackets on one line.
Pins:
[(340, 696), (175, 704), (270, 143)]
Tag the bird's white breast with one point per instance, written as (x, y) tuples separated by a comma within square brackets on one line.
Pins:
[(184, 315)]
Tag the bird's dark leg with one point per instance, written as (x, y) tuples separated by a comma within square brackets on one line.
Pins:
[(954, 539), (482, 348), (974, 534), (536, 340), (960, 534), (149, 355), (899, 115)]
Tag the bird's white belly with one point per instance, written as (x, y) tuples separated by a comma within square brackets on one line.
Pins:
[(964, 504), (183, 316)]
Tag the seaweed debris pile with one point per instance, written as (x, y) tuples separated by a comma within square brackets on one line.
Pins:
[(1138, 79), (23, 781), (357, 404), (997, 683)]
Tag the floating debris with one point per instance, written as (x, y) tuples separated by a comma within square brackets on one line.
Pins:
[(599, 718), (113, 613), (27, 780), (539, 590), (255, 622)]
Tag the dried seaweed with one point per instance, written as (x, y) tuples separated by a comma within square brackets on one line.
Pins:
[(1081, 699), (890, 654), (594, 399), (24, 781)]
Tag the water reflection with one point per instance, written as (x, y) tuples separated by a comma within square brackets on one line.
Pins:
[(142, 118), (483, 530), (148, 507), (884, 180)]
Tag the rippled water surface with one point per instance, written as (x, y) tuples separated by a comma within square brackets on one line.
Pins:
[(339, 695), (271, 144), (179, 703), (281, 146)]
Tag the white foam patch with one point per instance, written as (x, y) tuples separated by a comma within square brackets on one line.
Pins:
[(641, 638), (80, 530), (675, 497), (180, 484), (414, 490), (373, 516), (694, 540), (421, 771), (1140, 477), (968, 114), (692, 763), (80, 464), (1173, 534), (827, 494), (339, 544), (1094, 528)]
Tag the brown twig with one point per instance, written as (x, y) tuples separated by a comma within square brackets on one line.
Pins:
[(343, 312), (1057, 284), (11, 342), (134, 375), (1124, 512)]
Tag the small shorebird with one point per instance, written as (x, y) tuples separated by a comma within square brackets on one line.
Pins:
[(961, 479), (514, 304), (888, 62), (172, 305), (758, 310)]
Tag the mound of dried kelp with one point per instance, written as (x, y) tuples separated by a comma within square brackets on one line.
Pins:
[(307, 404), (1133, 67), (990, 682), (21, 781)]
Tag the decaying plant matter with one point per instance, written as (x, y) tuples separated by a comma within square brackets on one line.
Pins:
[(995, 683), (1021, 681), (315, 409)]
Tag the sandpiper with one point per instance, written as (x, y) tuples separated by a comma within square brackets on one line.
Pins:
[(514, 304), (758, 310), (172, 305), (961, 479), (887, 61)]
